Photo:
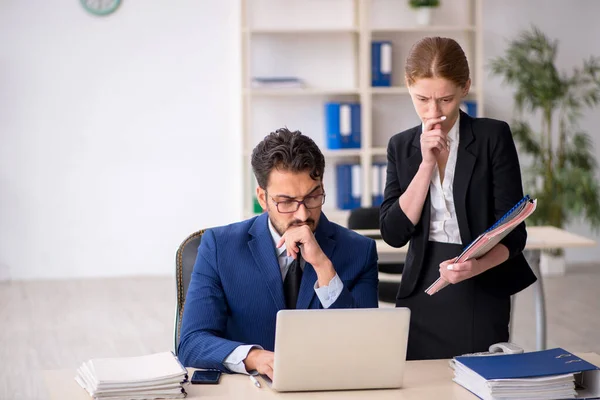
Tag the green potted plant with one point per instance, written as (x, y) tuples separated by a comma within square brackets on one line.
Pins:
[(423, 10), (563, 171)]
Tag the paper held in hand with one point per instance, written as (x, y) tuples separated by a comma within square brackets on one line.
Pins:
[(490, 238)]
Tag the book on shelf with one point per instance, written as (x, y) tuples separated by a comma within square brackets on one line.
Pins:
[(539, 375), (277, 82), (491, 237), (153, 376)]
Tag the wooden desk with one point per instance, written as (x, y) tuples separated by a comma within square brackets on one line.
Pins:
[(538, 239), (423, 380)]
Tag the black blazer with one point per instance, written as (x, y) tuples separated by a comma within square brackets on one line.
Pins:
[(487, 183)]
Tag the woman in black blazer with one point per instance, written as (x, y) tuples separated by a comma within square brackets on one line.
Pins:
[(448, 180)]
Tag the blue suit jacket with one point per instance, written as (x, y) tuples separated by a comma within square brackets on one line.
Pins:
[(236, 287)]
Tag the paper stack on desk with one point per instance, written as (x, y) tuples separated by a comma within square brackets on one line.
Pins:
[(155, 376), (539, 375)]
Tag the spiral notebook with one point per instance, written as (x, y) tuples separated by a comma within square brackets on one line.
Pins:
[(490, 238)]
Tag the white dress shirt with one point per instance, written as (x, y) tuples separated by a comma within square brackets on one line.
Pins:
[(443, 226), (326, 294)]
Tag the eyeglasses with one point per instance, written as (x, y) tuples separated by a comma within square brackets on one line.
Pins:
[(288, 206)]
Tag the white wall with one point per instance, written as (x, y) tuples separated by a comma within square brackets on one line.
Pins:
[(119, 135), (575, 25)]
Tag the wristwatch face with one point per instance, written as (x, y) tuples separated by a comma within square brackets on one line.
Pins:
[(100, 7)]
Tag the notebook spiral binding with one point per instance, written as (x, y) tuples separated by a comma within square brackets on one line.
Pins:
[(499, 222)]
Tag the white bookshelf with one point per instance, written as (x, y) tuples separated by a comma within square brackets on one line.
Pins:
[(427, 29), (300, 92), (328, 45)]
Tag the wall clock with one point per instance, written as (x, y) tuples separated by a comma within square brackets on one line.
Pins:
[(100, 7)]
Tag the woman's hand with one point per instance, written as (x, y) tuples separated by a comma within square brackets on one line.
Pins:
[(453, 272), (433, 140)]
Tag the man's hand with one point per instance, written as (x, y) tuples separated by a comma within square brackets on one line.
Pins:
[(261, 361), (311, 251)]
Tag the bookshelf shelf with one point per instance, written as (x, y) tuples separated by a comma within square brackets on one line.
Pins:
[(404, 90), (389, 90), (427, 29), (299, 92), (327, 45), (342, 153), (379, 151), (299, 31), (338, 154)]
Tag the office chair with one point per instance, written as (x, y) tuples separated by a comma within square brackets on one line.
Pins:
[(184, 264), (368, 218)]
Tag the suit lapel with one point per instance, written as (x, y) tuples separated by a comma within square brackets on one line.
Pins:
[(413, 270), (414, 163), (465, 161), (324, 238), (262, 249)]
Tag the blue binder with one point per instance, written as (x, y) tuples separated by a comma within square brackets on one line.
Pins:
[(548, 374), (348, 188), (378, 186), (470, 107), (343, 125), (381, 63), (526, 365)]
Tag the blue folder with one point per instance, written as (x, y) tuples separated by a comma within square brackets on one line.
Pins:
[(550, 362), (342, 125), (348, 186), (381, 63), (470, 107), (378, 183)]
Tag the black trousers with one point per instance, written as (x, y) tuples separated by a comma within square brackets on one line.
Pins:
[(459, 319)]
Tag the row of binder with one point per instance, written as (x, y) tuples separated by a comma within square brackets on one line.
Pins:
[(349, 185), (343, 123)]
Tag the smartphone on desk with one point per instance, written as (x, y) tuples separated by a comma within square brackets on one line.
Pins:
[(209, 377)]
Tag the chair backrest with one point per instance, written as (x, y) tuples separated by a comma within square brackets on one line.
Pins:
[(364, 218), (368, 218), (184, 265)]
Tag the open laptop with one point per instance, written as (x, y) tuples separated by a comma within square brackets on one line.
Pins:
[(340, 349)]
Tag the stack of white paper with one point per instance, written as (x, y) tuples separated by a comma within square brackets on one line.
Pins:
[(542, 388), (155, 376)]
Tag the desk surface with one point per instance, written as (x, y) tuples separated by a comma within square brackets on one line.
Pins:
[(538, 238), (422, 380)]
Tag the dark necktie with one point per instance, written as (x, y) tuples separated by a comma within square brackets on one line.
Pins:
[(291, 283)]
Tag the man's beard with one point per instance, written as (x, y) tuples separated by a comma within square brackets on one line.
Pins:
[(310, 222)]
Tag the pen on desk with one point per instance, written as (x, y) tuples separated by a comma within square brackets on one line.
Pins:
[(254, 380)]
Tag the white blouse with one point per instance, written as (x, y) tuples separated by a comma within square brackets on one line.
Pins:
[(443, 226)]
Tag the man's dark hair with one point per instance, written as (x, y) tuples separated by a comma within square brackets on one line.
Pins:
[(289, 151)]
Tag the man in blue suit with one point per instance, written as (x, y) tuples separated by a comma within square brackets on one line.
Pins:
[(289, 257)]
